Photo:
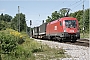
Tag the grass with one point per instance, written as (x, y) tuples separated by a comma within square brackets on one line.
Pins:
[(32, 50), (50, 53), (86, 35)]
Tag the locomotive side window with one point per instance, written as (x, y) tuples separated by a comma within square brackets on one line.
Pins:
[(70, 23), (60, 23)]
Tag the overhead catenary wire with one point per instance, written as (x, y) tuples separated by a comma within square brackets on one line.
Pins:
[(77, 5), (73, 3)]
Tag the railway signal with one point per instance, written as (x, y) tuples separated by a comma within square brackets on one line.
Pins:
[(30, 22), (43, 22)]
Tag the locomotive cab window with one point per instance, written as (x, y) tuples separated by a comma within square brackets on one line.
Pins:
[(60, 23), (70, 23)]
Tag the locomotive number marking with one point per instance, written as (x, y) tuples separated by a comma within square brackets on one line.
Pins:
[(55, 27), (71, 30)]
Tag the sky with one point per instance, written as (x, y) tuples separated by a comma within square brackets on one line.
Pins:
[(38, 10)]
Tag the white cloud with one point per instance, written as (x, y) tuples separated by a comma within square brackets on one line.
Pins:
[(2, 10)]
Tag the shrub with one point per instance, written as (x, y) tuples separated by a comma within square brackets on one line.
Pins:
[(18, 35), (8, 42)]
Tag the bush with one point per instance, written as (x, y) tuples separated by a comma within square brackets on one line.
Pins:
[(8, 43), (9, 40), (18, 35)]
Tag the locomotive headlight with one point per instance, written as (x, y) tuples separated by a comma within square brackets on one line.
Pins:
[(64, 30)]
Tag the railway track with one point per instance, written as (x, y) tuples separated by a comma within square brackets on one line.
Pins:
[(79, 42)]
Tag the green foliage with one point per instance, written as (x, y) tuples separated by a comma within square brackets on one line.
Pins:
[(50, 53), (15, 22), (9, 40), (5, 17), (10, 47), (57, 14), (21, 52), (5, 25), (5, 21), (86, 25), (2, 25), (8, 43), (25, 50), (48, 19), (79, 15)]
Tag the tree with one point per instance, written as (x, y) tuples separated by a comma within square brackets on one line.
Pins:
[(55, 15), (48, 19), (5, 21), (15, 22), (1, 17), (79, 16), (7, 18), (86, 19), (58, 14)]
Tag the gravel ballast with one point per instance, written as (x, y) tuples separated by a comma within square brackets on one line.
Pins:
[(76, 52)]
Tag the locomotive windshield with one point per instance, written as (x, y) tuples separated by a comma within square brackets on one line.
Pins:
[(70, 23)]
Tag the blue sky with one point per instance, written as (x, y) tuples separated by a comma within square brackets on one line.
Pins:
[(38, 10)]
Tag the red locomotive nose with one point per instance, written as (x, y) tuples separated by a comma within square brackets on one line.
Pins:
[(70, 30), (70, 26)]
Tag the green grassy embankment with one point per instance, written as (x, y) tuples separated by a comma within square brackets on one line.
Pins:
[(25, 48), (86, 35)]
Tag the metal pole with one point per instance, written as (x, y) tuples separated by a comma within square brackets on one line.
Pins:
[(83, 18), (26, 27), (30, 27), (19, 17), (30, 31)]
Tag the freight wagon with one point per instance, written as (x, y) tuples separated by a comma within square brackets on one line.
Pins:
[(35, 32), (42, 30)]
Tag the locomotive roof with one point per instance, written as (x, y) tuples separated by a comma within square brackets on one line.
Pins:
[(64, 18), (68, 18)]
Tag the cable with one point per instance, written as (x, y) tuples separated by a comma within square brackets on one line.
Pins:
[(74, 3), (77, 5)]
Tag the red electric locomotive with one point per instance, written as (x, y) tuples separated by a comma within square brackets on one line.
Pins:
[(66, 28)]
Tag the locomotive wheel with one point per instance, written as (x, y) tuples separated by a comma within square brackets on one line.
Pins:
[(63, 40), (74, 40), (59, 39), (49, 38)]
